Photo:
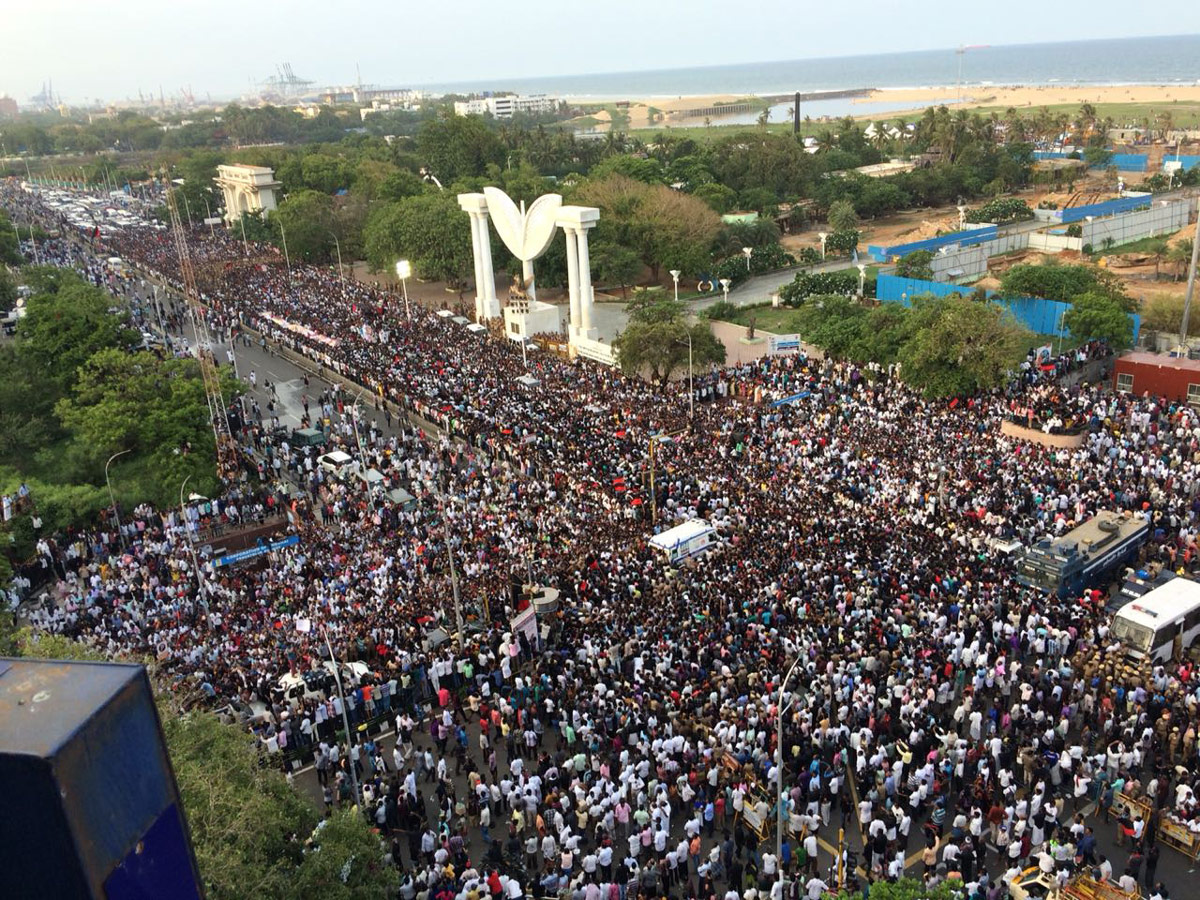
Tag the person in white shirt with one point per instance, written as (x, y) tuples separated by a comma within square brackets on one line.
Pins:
[(815, 888)]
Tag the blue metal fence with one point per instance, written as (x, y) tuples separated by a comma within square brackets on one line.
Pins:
[(1129, 162), (1188, 162), (966, 238), (1038, 315), (1125, 162), (1105, 208)]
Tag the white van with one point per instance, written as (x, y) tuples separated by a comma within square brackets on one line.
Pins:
[(1150, 625), (685, 540), (337, 463)]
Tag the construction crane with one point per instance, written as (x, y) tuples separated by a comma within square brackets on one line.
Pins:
[(286, 83), (961, 52), (227, 454)]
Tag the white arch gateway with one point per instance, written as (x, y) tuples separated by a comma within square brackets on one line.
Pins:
[(528, 234)]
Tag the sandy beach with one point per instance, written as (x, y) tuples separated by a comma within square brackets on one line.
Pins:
[(648, 112), (1025, 96)]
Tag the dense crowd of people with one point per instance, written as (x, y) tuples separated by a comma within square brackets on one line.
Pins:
[(935, 705)]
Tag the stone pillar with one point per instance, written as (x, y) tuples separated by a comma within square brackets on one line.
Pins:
[(475, 206), (475, 250), (586, 297), (575, 222), (489, 303), (573, 277)]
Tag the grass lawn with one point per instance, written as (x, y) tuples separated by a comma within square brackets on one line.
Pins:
[(1142, 245), (775, 320)]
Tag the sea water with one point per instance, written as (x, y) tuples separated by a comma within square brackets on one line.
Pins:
[(1153, 60)]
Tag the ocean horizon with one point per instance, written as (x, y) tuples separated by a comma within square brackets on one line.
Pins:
[(1169, 59)]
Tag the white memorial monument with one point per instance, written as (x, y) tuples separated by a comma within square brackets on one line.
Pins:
[(247, 189), (527, 234)]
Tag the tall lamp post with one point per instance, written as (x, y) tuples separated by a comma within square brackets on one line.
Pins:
[(691, 386), (823, 235), (725, 283), (458, 619), (404, 272), (862, 279), (747, 252), (675, 273), (361, 455), (337, 677), (1191, 286), (338, 245), (111, 498), (779, 711), (655, 439), (191, 541), (286, 258)]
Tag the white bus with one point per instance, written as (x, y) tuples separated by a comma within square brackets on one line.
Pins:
[(1149, 625)]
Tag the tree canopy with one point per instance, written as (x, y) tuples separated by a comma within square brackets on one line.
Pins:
[(656, 341), (430, 230), (1095, 316)]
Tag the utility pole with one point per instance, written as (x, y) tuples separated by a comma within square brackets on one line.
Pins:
[(1191, 283)]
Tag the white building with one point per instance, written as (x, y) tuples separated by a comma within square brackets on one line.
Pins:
[(507, 107)]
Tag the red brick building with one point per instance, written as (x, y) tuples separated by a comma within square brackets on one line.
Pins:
[(1173, 377)]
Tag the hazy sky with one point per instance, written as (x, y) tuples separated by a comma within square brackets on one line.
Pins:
[(111, 49)]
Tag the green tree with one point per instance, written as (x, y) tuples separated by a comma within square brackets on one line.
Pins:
[(967, 347), (10, 253), (1180, 256), (842, 216), (717, 196), (157, 408), (64, 329), (656, 341), (638, 168), (458, 147), (1097, 157), (1099, 317), (1063, 282), (345, 862), (615, 264), (664, 227), (8, 291), (307, 221), (429, 229), (915, 265)]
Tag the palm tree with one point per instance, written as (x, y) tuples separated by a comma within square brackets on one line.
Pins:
[(1180, 255), (1165, 121)]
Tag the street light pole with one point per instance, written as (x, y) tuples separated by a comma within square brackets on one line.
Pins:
[(209, 215), (1191, 284), (111, 498), (361, 455), (338, 245), (337, 677), (862, 279), (691, 383), (779, 711), (822, 235), (286, 258), (747, 252), (403, 271), (191, 542), (725, 283), (675, 273), (458, 619)]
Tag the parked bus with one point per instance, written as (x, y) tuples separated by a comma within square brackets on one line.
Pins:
[(1162, 622)]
